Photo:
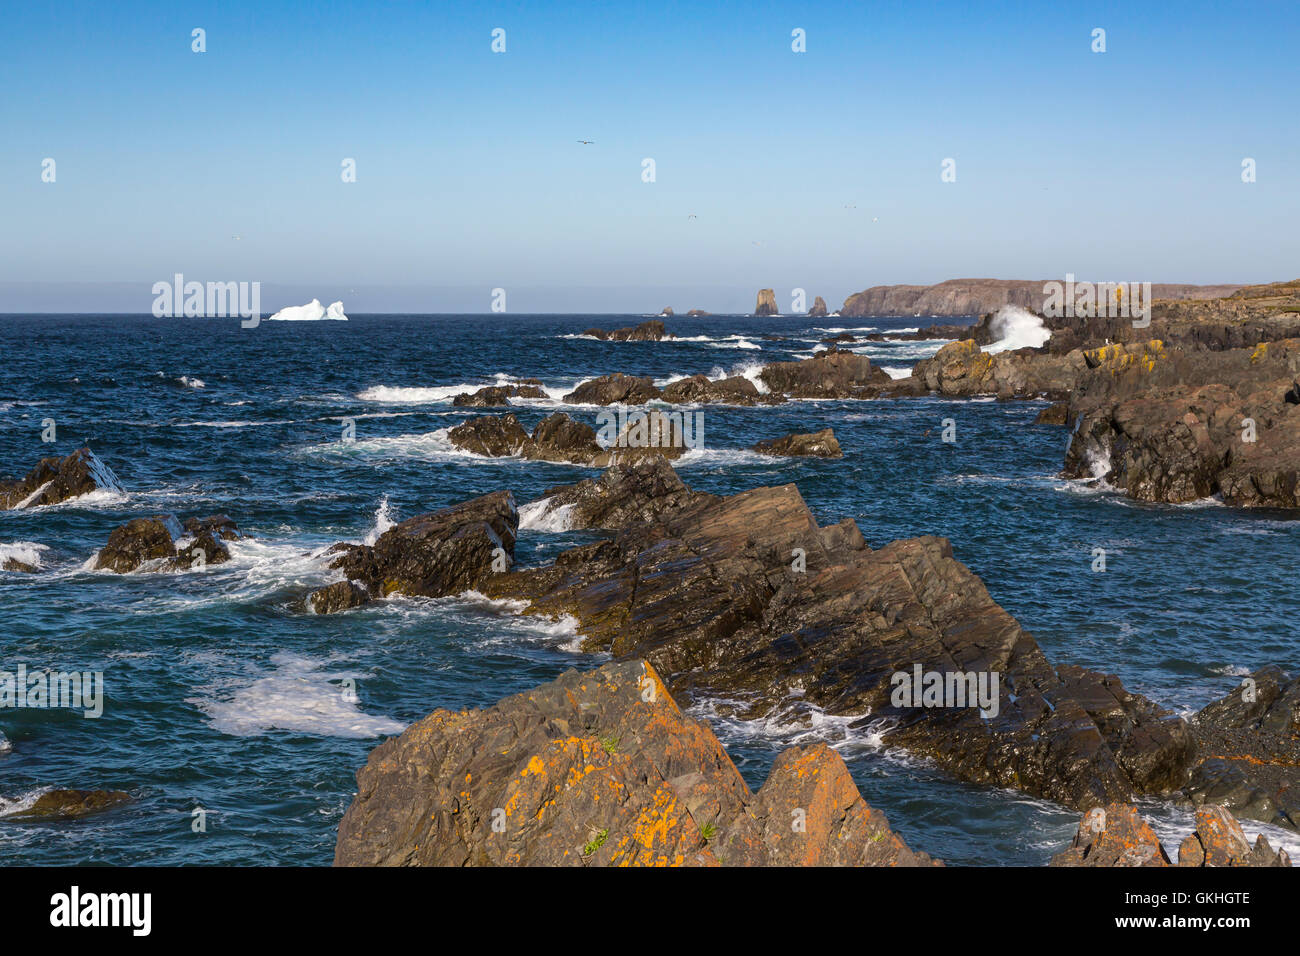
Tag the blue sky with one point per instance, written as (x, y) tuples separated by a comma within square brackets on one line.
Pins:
[(1123, 165)]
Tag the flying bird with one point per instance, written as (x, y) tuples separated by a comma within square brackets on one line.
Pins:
[(586, 142)]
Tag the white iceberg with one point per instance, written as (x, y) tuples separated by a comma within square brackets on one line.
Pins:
[(313, 311)]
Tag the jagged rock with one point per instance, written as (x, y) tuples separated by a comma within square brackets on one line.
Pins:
[(54, 480), (150, 544), (698, 313), (625, 495), (842, 337), (1058, 413), (433, 555), (746, 598), (818, 310), (766, 304), (962, 368), (139, 541), (1114, 835), (600, 769), (339, 596), (1250, 740), (822, 444), (560, 438), (203, 550), (491, 436), (616, 389), (68, 804), (219, 525), (1219, 841), (701, 390), (667, 311), (1117, 836), (494, 396), (650, 331), (831, 373)]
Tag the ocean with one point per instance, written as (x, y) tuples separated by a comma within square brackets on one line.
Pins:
[(222, 695)]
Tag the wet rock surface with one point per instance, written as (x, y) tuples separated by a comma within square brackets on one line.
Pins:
[(822, 444), (651, 331), (616, 389), (55, 480), (601, 768), (1249, 742), (831, 373), (71, 804), (162, 543), (495, 396), (746, 598), (1116, 835), (432, 555)]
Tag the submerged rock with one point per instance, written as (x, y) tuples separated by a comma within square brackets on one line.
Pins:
[(55, 480), (339, 596), (69, 804), (822, 444), (601, 769)]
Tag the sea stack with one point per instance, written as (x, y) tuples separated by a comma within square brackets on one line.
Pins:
[(819, 308), (766, 304)]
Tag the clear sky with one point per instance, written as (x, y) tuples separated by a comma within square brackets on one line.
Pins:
[(819, 170)]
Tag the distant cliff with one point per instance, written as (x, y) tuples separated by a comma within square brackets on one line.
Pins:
[(978, 296), (766, 304)]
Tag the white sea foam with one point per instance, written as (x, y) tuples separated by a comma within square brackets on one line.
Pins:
[(444, 394), (1016, 328), (540, 515), (313, 311), (190, 382), (896, 372), (25, 801), (383, 521), (25, 552), (300, 696)]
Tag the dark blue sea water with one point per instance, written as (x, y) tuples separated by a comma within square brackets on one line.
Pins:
[(222, 694)]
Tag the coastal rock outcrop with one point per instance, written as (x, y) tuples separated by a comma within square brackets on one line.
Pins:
[(818, 310), (55, 480), (650, 331), (1250, 746), (747, 598), (622, 496), (601, 769), (162, 543), (978, 296), (431, 555), (701, 390), (766, 304), (822, 444), (559, 438), (830, 373), (495, 396), (1116, 835), (615, 389)]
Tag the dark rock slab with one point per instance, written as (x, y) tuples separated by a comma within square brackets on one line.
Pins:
[(822, 444), (55, 480)]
